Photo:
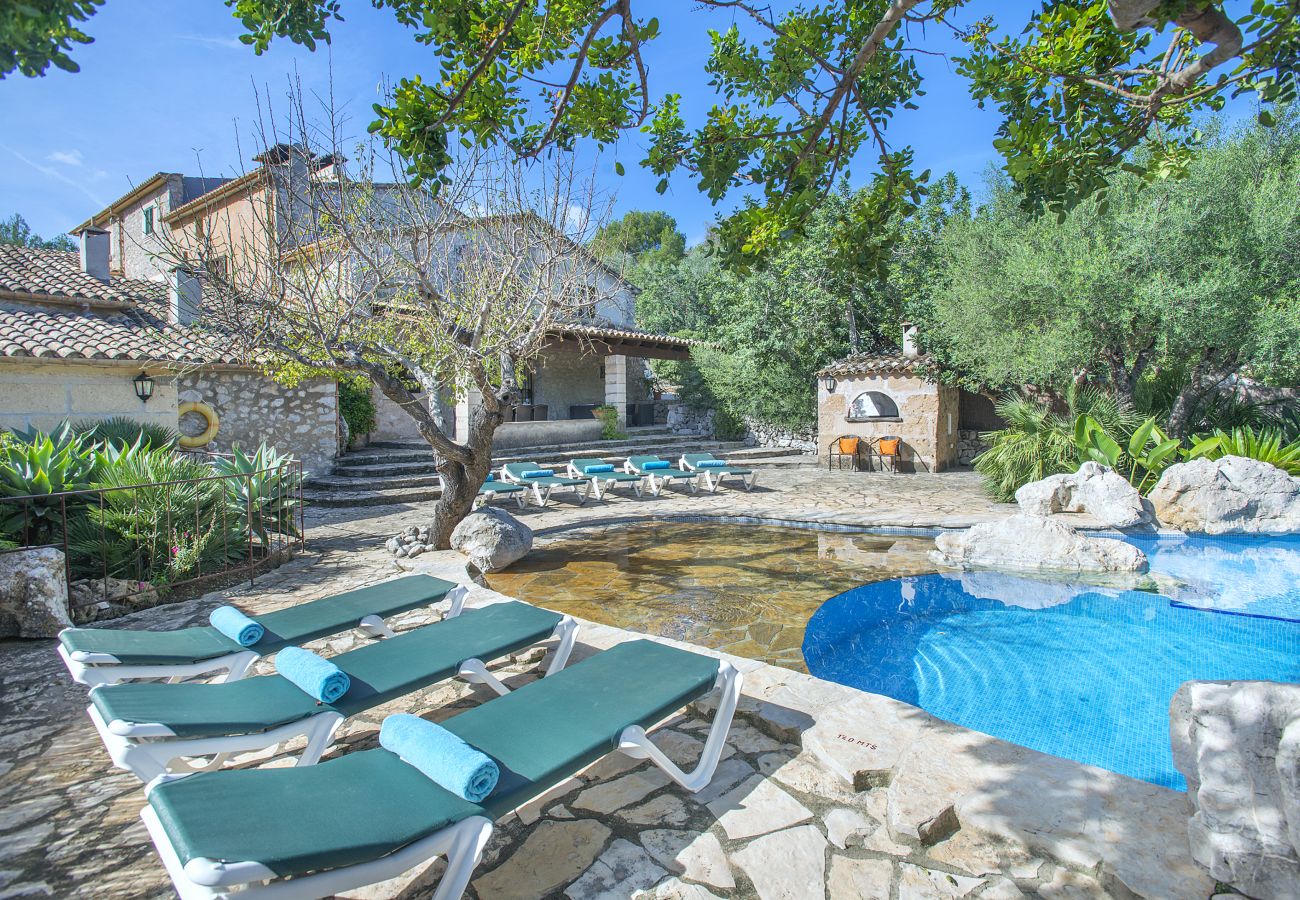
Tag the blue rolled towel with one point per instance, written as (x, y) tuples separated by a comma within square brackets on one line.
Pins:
[(442, 756), (315, 675), (711, 464), (538, 473), (657, 464), (235, 625), (596, 470), (491, 477)]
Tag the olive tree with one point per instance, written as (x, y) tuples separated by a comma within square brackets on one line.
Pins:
[(326, 268)]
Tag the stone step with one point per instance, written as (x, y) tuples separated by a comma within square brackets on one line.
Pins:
[(635, 432), (341, 492)]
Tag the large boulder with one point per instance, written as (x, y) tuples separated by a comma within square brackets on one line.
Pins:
[(1026, 543), (492, 538), (33, 593), (1229, 495), (1238, 745), (1096, 490)]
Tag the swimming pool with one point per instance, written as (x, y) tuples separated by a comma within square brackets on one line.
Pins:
[(1069, 669), (746, 589)]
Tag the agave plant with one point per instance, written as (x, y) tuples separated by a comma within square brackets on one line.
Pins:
[(121, 432), (39, 466), (264, 487), (1266, 445)]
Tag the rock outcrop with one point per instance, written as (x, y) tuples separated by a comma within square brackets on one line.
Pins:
[(33, 593), (1238, 745), (1096, 490), (1025, 543), (1229, 495), (492, 538)]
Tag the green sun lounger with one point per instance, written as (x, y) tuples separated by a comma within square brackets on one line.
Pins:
[(659, 478), (369, 816), (494, 488), (109, 655), (544, 485), (579, 468), (714, 473), (148, 727)]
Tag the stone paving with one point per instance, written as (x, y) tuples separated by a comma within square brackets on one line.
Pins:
[(825, 791)]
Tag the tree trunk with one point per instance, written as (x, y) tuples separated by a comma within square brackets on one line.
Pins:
[(460, 484), (854, 340), (1185, 403)]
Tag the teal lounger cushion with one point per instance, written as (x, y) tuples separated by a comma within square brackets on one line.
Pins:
[(379, 672), (366, 804), (294, 625)]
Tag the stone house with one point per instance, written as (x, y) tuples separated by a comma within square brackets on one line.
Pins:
[(74, 337), (71, 325)]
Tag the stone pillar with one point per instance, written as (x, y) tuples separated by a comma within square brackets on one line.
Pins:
[(470, 399), (616, 386)]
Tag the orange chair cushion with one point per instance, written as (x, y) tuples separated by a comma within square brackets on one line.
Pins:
[(849, 445), (889, 447)]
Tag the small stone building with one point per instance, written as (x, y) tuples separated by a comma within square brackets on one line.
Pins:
[(890, 395)]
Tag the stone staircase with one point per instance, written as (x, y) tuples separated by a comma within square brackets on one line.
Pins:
[(402, 472)]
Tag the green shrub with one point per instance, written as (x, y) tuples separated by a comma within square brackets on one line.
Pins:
[(152, 530), (727, 425), (357, 405), (608, 416), (1040, 441), (121, 431)]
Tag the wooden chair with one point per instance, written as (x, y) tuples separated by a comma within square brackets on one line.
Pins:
[(845, 446), (889, 448)]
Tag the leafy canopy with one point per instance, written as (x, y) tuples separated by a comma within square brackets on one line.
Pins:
[(802, 93), (15, 230)]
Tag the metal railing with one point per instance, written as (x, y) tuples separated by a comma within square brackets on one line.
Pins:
[(131, 546)]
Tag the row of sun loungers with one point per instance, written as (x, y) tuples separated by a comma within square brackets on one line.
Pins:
[(587, 477), (362, 817)]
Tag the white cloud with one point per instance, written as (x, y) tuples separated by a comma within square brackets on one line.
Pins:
[(221, 43), (66, 157), (57, 175)]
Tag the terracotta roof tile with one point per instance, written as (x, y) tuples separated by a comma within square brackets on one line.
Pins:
[(30, 326), (877, 364)]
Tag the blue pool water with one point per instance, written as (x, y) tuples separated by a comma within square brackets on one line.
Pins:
[(1069, 669)]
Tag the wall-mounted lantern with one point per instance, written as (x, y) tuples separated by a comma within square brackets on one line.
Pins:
[(143, 386), (829, 383)]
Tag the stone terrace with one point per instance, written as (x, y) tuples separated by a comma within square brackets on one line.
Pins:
[(825, 791)]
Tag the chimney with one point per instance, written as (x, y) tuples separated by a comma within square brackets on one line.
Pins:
[(185, 296), (909, 341), (94, 253)]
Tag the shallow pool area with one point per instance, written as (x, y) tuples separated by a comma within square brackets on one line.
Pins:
[(1069, 669), (746, 589)]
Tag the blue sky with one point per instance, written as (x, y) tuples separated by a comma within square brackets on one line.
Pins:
[(166, 85)]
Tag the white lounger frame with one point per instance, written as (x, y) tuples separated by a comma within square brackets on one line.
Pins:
[(462, 843), (94, 669), (520, 497), (148, 750), (610, 483), (540, 495), (712, 484), (657, 484)]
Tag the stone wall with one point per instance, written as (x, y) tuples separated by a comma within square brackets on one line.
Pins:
[(393, 424), (970, 444), (927, 418), (301, 420), (761, 434), (46, 393), (682, 419)]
